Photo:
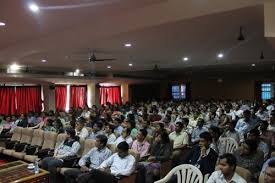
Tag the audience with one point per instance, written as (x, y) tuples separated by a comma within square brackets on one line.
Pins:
[(140, 145), (80, 129)]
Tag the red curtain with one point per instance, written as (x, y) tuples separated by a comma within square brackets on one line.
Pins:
[(7, 100), (28, 98), (110, 94), (60, 97), (78, 96)]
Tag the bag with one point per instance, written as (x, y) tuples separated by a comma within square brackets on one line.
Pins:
[(30, 150), (19, 147), (10, 144), (43, 153), (70, 161)]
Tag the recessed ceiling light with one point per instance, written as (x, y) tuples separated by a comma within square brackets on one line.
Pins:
[(130, 65), (127, 44), (14, 67), (33, 7), (2, 24), (220, 55), (253, 65), (43, 60), (185, 59), (109, 67), (77, 71)]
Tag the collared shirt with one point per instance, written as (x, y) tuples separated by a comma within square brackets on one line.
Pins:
[(218, 177), (120, 166), (128, 139), (141, 147), (95, 156), (111, 138), (179, 139), (196, 133), (83, 133), (65, 150)]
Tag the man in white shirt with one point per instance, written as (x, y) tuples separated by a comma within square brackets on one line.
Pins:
[(226, 173), (109, 132), (80, 128), (125, 136), (115, 167), (96, 130), (197, 131)]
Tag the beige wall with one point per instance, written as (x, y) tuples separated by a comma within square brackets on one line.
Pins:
[(227, 89)]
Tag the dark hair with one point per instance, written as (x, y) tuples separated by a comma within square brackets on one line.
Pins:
[(123, 146), (164, 137), (234, 122), (253, 145), (255, 131), (207, 136), (81, 120), (161, 125), (103, 139), (230, 159), (71, 132), (144, 132), (271, 163), (128, 130), (110, 126), (180, 124), (99, 125), (185, 121), (216, 130)]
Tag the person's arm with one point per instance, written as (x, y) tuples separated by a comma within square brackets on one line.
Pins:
[(73, 151), (107, 163), (212, 178), (83, 160), (129, 168)]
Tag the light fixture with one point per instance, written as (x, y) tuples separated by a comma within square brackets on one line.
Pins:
[(241, 36), (220, 55), (130, 64), (2, 24), (185, 59), (253, 65), (127, 44), (77, 71), (14, 67), (33, 7), (43, 60), (109, 67)]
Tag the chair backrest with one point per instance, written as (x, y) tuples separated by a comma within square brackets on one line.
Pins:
[(82, 142), (88, 145), (244, 173), (230, 144), (37, 137), (60, 138), (112, 147), (135, 154), (149, 138), (49, 140), (17, 133), (26, 135), (185, 173), (261, 178)]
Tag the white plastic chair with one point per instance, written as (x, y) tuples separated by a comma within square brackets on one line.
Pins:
[(186, 173), (230, 144)]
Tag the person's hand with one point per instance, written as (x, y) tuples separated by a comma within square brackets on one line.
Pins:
[(84, 169), (152, 158)]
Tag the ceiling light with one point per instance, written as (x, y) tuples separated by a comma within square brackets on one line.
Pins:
[(253, 65), (14, 67), (77, 71), (43, 60), (127, 44), (2, 24), (185, 59), (34, 8), (220, 55), (130, 65), (109, 67)]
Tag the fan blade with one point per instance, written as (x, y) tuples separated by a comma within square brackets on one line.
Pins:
[(107, 59)]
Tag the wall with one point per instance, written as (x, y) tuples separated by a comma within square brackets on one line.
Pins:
[(225, 89)]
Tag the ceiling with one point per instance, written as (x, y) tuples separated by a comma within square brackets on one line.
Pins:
[(161, 32)]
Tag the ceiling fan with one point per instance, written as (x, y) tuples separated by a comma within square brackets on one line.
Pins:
[(93, 58)]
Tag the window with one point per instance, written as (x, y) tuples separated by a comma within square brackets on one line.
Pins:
[(179, 92), (266, 90)]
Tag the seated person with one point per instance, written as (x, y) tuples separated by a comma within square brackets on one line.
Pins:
[(249, 157), (96, 130), (80, 128), (201, 155), (140, 145), (230, 131), (180, 139), (269, 176), (216, 145), (160, 152), (94, 157), (262, 146), (111, 170), (195, 137), (226, 173), (69, 147), (109, 132), (125, 136)]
